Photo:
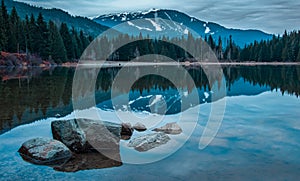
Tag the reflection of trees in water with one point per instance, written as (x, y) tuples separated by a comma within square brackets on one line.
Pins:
[(45, 93), (283, 78)]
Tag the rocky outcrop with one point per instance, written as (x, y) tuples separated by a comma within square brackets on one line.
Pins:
[(148, 142), (139, 127), (170, 128), (44, 151)]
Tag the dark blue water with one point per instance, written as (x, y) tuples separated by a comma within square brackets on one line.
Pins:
[(258, 138)]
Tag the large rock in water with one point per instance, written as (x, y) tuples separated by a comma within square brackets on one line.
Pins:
[(70, 133), (83, 135), (170, 128), (44, 151), (148, 142)]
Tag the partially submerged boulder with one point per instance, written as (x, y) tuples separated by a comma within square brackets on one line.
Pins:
[(140, 127), (45, 151), (84, 135), (71, 134), (148, 142), (169, 128)]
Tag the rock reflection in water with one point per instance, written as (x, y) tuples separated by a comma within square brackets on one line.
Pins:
[(88, 161)]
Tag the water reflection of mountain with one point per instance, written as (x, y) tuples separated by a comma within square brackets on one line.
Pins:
[(31, 94)]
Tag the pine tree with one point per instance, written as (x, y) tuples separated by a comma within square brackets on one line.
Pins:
[(220, 49), (211, 43), (84, 40), (2, 33), (4, 26), (67, 39), (42, 33), (27, 35), (13, 38), (284, 54), (34, 36), (57, 48), (298, 57)]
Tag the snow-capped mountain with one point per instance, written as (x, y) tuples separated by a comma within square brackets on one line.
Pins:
[(160, 21)]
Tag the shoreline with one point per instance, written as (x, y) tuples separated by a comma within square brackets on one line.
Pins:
[(130, 64), (108, 64)]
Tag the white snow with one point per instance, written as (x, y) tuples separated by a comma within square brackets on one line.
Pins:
[(124, 18), (207, 30), (168, 16), (157, 26), (138, 27), (139, 98), (155, 100), (206, 95), (186, 31), (185, 94), (149, 11)]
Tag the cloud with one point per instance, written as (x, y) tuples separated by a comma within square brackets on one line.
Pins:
[(271, 16)]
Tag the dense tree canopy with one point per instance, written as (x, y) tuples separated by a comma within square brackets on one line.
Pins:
[(35, 36), (61, 43)]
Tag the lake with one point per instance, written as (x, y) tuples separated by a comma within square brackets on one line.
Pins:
[(258, 137)]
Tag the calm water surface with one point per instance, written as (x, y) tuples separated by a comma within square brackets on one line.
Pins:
[(258, 138)]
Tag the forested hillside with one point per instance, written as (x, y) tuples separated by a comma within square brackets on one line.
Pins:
[(57, 16), (33, 35)]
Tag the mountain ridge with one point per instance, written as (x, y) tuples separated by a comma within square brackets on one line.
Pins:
[(58, 16), (241, 37)]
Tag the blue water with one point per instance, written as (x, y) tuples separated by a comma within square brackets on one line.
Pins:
[(258, 138)]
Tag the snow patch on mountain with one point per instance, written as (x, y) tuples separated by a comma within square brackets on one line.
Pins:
[(138, 27), (186, 31), (156, 25), (123, 18), (150, 10), (207, 30)]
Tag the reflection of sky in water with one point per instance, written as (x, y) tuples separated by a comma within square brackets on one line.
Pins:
[(258, 140)]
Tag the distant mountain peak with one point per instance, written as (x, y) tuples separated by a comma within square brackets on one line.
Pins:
[(203, 28)]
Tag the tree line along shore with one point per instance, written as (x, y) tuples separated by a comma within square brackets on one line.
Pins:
[(34, 42)]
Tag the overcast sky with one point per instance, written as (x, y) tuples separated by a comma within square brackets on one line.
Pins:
[(271, 16)]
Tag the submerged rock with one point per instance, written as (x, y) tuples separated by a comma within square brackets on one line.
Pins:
[(126, 131), (170, 128), (83, 135), (44, 151), (139, 127), (148, 142)]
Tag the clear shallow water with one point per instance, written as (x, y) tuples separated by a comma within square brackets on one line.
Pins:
[(258, 140)]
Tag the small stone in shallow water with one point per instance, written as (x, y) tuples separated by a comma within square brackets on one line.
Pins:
[(148, 142), (170, 128), (139, 127)]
